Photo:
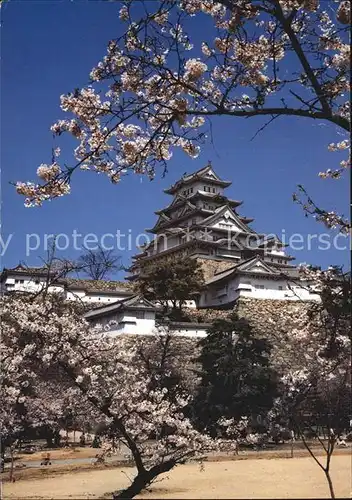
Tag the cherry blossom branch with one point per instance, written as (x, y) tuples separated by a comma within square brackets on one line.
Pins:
[(158, 96)]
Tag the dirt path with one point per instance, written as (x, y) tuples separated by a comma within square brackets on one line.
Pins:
[(276, 478)]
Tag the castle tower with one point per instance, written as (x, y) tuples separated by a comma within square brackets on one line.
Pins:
[(202, 222)]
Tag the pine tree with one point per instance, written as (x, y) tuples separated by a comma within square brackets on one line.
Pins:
[(236, 377), (172, 281)]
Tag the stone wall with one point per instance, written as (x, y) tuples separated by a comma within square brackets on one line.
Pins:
[(212, 266), (209, 266), (266, 315), (275, 320), (281, 322)]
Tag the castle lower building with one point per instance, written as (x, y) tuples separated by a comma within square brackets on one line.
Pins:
[(23, 278), (202, 222)]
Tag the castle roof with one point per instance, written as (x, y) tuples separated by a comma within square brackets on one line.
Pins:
[(180, 200), (98, 286), (23, 269), (206, 173), (257, 266), (227, 212), (210, 216), (135, 303)]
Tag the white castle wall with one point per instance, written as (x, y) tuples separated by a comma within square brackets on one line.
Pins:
[(255, 288), (35, 285)]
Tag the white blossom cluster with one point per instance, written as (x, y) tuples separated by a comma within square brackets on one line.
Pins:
[(101, 374)]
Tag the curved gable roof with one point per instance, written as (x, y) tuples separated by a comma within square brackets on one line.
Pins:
[(219, 214)]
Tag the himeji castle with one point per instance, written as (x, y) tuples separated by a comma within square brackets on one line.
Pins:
[(202, 222), (241, 266)]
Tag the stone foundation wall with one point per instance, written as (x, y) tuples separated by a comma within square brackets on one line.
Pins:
[(211, 267), (266, 315), (275, 320)]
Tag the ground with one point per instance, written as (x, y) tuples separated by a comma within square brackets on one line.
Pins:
[(255, 478)]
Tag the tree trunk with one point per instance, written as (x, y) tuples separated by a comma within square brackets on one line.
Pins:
[(49, 439), (142, 480), (57, 438), (331, 487), (12, 465)]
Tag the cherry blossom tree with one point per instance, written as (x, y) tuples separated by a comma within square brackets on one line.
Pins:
[(169, 361), (157, 89), (316, 403), (104, 374), (316, 387)]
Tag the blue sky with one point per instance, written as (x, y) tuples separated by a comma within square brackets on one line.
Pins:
[(49, 48)]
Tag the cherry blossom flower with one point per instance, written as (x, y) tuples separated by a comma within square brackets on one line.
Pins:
[(102, 374)]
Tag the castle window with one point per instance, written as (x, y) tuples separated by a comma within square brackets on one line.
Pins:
[(260, 287), (280, 287), (140, 315)]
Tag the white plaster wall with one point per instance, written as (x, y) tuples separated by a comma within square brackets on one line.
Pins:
[(250, 287), (133, 330), (135, 325), (199, 186), (188, 303), (162, 244), (230, 254), (103, 298), (276, 251), (172, 241), (29, 285), (227, 225), (144, 326), (75, 295), (278, 260), (184, 332)]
